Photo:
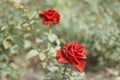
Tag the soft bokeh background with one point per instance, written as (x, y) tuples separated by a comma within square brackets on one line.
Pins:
[(93, 23)]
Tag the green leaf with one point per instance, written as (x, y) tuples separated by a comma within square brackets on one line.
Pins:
[(3, 56), (53, 50), (31, 14), (52, 68), (25, 25), (14, 49), (6, 44), (27, 44), (42, 56), (4, 27), (58, 42), (2, 65), (52, 37), (32, 53), (5, 71), (39, 40)]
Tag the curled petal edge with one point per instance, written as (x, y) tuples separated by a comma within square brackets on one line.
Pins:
[(80, 66), (60, 57)]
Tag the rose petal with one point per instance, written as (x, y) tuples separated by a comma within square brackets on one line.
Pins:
[(60, 57), (45, 22), (41, 15), (80, 67), (84, 54)]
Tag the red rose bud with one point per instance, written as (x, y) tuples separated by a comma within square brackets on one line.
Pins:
[(50, 17), (74, 54)]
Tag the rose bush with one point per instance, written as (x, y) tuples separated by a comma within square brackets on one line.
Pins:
[(37, 46), (73, 53)]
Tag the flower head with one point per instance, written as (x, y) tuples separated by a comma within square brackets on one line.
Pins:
[(74, 54), (50, 17)]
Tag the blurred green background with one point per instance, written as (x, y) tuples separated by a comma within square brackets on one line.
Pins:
[(93, 23)]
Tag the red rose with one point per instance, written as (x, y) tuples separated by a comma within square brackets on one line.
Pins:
[(50, 17), (73, 53)]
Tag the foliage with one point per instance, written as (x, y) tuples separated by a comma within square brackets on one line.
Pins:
[(23, 39)]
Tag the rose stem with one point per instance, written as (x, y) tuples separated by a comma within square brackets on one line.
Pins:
[(64, 71), (50, 29)]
